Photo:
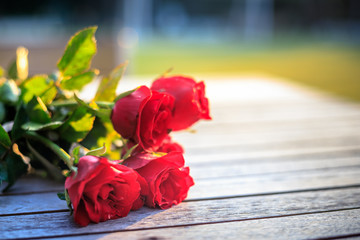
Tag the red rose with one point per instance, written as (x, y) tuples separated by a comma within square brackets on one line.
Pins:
[(168, 181), (102, 190), (191, 104), (143, 117), (169, 146)]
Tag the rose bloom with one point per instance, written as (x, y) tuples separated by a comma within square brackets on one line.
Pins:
[(102, 190), (168, 181), (191, 104), (143, 117)]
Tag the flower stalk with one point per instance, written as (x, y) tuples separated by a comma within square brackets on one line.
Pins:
[(55, 148)]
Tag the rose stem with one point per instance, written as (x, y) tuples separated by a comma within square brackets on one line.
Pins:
[(56, 149)]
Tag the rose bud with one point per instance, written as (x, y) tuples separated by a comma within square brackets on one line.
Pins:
[(143, 117), (102, 190), (168, 181), (191, 104)]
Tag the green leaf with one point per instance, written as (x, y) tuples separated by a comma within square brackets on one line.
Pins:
[(4, 138), (3, 151), (16, 166), (3, 172), (61, 196), (48, 95), (37, 111), (79, 81), (75, 155), (2, 112), (103, 132), (128, 153), (38, 85), (99, 131), (108, 85), (103, 113), (65, 197), (124, 94), (9, 92), (98, 151), (20, 118), (68, 201), (12, 70), (79, 52), (77, 126), (33, 126)]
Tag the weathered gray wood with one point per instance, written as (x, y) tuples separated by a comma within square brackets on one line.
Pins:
[(280, 112), (309, 226), (187, 213), (280, 182), (31, 184), (209, 188), (247, 168), (216, 127), (271, 155), (261, 138), (32, 203)]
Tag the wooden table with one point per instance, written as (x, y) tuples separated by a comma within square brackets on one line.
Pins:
[(277, 162)]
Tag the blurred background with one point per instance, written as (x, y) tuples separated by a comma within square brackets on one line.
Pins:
[(311, 42)]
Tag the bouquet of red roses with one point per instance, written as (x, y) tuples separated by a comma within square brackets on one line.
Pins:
[(46, 129)]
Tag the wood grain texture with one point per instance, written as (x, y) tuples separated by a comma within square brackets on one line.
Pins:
[(262, 138), (280, 182), (187, 213), (234, 164), (276, 162), (271, 155), (30, 184), (211, 188), (280, 112), (310, 226)]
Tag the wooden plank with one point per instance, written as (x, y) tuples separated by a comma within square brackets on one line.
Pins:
[(307, 136), (30, 184), (238, 127), (328, 104), (263, 137), (330, 225), (31, 203), (189, 213), (199, 141), (271, 183), (229, 155), (211, 188), (247, 168), (280, 112), (235, 115)]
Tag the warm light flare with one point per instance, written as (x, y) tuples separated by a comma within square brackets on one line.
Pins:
[(22, 62)]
